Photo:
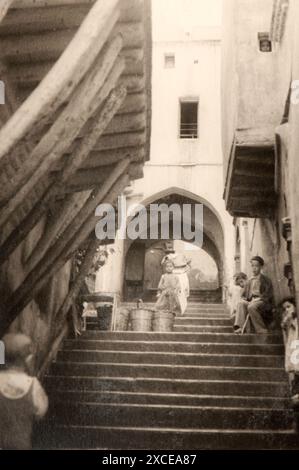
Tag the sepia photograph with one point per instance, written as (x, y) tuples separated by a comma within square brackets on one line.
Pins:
[(149, 228)]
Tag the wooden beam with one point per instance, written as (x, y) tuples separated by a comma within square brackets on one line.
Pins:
[(131, 10), (4, 6), (109, 157), (92, 178), (251, 200), (60, 252), (86, 210), (57, 224), (257, 172), (39, 20), (253, 181), (64, 77), (238, 191), (15, 232), (87, 229), (18, 216), (101, 120), (80, 154), (55, 143), (29, 74), (118, 141), (133, 83), (134, 59), (86, 145), (126, 123), (51, 44), (122, 123), (23, 4)]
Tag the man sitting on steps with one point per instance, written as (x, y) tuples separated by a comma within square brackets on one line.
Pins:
[(257, 300)]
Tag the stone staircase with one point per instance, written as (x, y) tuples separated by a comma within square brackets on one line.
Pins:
[(199, 387)]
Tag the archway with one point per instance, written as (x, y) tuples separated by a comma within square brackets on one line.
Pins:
[(143, 256)]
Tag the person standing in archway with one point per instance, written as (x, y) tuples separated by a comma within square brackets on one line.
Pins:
[(181, 268), (257, 300)]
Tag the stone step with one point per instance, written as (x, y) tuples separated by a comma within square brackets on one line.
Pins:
[(130, 357), (164, 385), (193, 337), (207, 315), (73, 396), (175, 347), (202, 328), (113, 369), (203, 321), (179, 327), (191, 306), (196, 303), (107, 437), (105, 414)]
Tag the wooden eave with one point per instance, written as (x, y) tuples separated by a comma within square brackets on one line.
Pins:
[(250, 180), (75, 128)]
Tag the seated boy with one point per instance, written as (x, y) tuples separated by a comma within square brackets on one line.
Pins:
[(257, 300), (22, 398)]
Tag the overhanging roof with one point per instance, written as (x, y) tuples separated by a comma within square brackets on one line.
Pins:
[(250, 182)]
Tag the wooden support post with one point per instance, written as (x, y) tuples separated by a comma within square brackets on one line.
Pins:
[(68, 211), (22, 229), (101, 121), (57, 140), (60, 326), (65, 75), (61, 251), (112, 104)]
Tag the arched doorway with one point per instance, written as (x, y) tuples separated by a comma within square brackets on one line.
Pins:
[(143, 256)]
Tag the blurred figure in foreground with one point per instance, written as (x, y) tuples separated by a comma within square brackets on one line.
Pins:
[(22, 398)]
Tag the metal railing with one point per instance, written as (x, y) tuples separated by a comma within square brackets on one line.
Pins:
[(189, 131)]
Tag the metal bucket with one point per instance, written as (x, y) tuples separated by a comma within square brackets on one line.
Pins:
[(163, 321), (141, 319), (122, 319)]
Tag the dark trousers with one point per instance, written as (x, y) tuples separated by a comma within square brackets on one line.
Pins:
[(254, 309)]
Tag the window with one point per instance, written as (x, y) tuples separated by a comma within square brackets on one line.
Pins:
[(189, 119), (265, 44), (169, 61)]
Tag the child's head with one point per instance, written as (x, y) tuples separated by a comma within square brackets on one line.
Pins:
[(18, 351), (240, 279), (168, 266), (288, 306)]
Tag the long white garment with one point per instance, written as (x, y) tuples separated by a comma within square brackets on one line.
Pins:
[(184, 290)]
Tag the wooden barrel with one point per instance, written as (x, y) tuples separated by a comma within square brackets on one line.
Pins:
[(163, 321), (141, 319), (122, 319)]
